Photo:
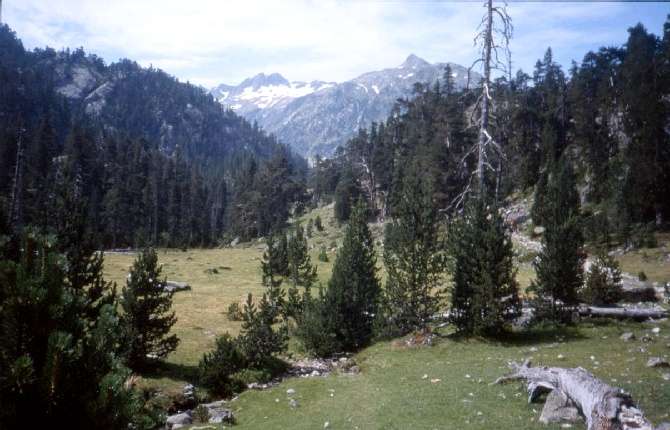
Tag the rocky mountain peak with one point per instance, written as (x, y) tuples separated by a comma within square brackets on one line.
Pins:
[(414, 62), (263, 80)]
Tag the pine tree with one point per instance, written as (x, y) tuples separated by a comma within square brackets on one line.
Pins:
[(271, 280), (300, 268), (55, 337), (259, 341), (146, 312), (559, 267), (302, 273), (413, 258), (351, 299), (484, 295), (346, 192)]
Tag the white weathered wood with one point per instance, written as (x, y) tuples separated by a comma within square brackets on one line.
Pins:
[(637, 313), (603, 407)]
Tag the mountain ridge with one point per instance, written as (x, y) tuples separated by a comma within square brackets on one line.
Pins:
[(316, 117)]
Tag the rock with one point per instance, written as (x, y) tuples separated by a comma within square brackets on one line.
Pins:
[(178, 420), (657, 362), (290, 392), (663, 426), (355, 370), (235, 241), (656, 330), (174, 286), (666, 376), (326, 425), (538, 230), (293, 403), (558, 409), (627, 337)]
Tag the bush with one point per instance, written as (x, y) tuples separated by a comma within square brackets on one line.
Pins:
[(603, 282), (259, 341), (234, 312), (642, 276), (318, 224), (201, 414), (216, 368), (314, 329), (323, 255)]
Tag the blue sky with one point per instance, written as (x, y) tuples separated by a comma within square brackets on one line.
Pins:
[(214, 41)]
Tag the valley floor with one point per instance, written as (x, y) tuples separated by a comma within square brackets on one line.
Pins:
[(391, 391)]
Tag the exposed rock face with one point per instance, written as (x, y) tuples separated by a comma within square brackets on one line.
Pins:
[(317, 117)]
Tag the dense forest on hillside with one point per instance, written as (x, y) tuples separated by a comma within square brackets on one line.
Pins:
[(154, 160), (608, 115)]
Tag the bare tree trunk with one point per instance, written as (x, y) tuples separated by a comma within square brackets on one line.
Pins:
[(484, 125), (15, 211), (634, 313), (603, 407)]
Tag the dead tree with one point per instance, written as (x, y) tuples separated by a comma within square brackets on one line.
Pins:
[(603, 407), (493, 40), (16, 202)]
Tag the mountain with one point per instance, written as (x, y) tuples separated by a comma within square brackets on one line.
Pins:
[(121, 98), (316, 117)]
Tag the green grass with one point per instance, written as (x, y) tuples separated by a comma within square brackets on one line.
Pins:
[(390, 392)]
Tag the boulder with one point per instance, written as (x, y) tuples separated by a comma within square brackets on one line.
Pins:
[(235, 241), (174, 286), (628, 336), (558, 409), (178, 420), (657, 362), (219, 413)]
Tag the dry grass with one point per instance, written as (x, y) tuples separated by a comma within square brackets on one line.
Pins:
[(654, 262)]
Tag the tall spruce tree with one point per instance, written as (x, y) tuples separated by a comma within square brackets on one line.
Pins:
[(413, 258), (351, 299), (484, 294), (271, 278), (147, 315), (559, 267), (301, 272)]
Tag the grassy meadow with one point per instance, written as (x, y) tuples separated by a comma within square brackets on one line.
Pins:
[(391, 391)]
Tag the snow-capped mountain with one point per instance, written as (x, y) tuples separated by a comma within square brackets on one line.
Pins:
[(264, 92), (317, 117)]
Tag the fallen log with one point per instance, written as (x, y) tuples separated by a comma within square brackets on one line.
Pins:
[(603, 407), (636, 313)]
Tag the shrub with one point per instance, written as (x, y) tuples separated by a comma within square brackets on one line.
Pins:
[(323, 255), (259, 341), (318, 224), (603, 282), (234, 312), (217, 367), (201, 414), (310, 228), (314, 329), (642, 276)]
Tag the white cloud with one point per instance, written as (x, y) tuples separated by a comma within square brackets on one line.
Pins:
[(212, 41)]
